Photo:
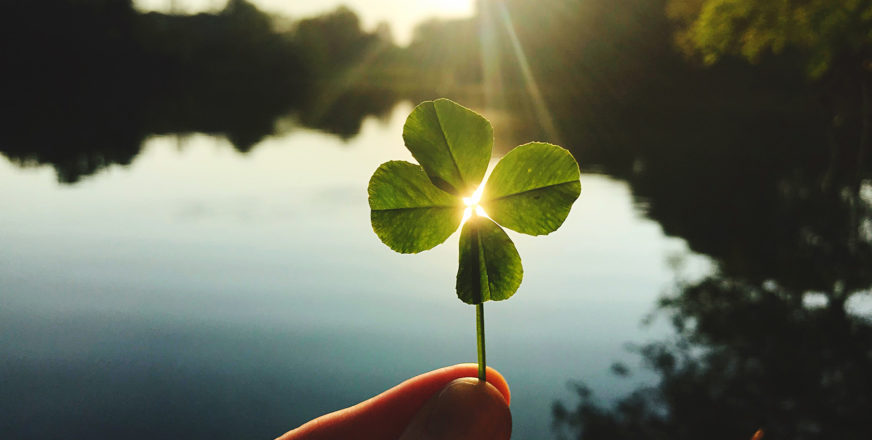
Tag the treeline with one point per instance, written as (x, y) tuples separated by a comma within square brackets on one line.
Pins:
[(602, 77), (600, 65), (84, 82), (99, 43)]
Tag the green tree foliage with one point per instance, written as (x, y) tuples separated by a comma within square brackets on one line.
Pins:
[(825, 31)]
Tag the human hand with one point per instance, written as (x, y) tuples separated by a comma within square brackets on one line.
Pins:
[(448, 403)]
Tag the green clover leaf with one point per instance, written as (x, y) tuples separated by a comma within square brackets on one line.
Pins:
[(532, 188), (416, 207), (409, 214), (451, 142)]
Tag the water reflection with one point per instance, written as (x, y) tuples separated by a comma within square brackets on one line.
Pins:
[(780, 336), (745, 356), (155, 300)]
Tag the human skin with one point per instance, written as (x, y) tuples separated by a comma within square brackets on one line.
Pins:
[(445, 403)]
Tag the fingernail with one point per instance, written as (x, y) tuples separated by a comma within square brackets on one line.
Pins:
[(463, 409)]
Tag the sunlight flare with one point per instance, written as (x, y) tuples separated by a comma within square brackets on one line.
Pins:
[(472, 204), (495, 17), (473, 199), (539, 105)]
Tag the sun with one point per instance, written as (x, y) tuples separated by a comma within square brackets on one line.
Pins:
[(453, 7), (472, 206)]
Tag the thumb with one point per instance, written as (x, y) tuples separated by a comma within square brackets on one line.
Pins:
[(464, 409)]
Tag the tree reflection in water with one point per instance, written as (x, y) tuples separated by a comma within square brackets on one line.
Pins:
[(774, 338), (745, 357)]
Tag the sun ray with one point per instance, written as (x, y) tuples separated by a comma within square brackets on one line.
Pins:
[(539, 106)]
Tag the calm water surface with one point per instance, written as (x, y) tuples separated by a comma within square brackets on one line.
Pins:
[(202, 292)]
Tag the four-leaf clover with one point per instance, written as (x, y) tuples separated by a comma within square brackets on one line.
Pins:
[(416, 207)]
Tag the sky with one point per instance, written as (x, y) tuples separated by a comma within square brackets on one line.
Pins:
[(402, 15)]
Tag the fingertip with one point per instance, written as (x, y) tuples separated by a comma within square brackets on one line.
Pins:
[(465, 409), (499, 382), (493, 377)]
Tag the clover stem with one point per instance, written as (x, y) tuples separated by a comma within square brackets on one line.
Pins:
[(479, 330)]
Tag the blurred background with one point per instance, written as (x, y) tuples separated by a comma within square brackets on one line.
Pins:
[(185, 245)]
